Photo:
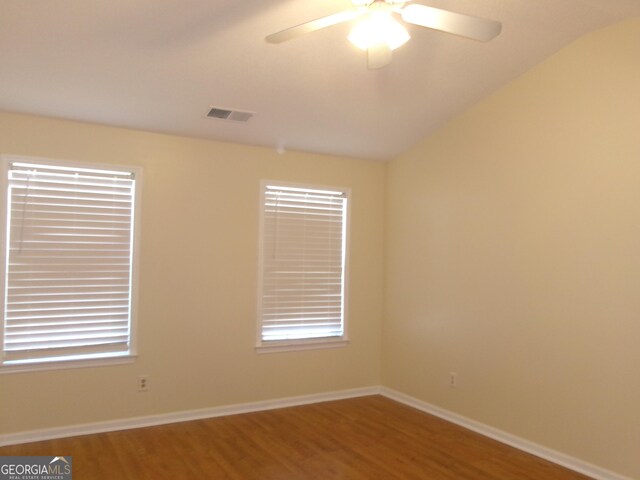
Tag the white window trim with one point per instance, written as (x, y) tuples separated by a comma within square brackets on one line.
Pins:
[(312, 343), (43, 366), (106, 360)]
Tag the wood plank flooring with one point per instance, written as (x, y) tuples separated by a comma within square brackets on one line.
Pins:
[(363, 438)]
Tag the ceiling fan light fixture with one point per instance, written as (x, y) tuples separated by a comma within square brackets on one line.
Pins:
[(378, 33), (378, 27)]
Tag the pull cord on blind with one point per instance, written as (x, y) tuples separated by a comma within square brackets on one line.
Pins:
[(303, 263), (68, 288)]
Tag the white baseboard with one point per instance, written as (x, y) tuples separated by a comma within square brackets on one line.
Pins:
[(553, 456), (184, 416), (556, 457)]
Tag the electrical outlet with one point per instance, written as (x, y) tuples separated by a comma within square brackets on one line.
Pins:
[(453, 380), (143, 383)]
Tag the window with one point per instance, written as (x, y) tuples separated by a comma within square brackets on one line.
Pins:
[(68, 274), (302, 267)]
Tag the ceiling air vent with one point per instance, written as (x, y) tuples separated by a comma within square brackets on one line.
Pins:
[(226, 114)]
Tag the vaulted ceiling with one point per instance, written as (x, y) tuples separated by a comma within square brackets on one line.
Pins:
[(159, 65)]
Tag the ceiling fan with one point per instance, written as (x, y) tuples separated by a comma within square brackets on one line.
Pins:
[(378, 33)]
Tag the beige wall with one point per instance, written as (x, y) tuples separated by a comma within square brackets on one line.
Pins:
[(513, 257), (198, 280)]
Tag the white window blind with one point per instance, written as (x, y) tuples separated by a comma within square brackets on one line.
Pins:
[(69, 263), (303, 263)]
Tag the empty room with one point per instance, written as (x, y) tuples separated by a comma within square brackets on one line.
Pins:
[(320, 239)]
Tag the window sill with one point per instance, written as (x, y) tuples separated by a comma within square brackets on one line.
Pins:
[(298, 345), (66, 364)]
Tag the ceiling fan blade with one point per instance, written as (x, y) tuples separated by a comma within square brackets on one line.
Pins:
[(313, 25), (378, 56), (451, 22)]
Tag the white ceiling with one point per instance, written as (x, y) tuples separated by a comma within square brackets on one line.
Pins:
[(159, 64)]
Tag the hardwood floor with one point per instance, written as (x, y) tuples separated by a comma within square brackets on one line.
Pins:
[(363, 438)]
